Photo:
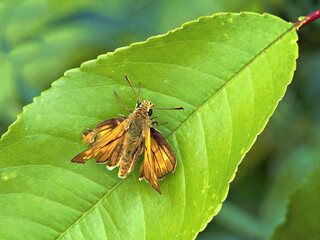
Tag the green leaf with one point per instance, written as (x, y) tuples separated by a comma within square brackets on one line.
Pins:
[(303, 215), (228, 71)]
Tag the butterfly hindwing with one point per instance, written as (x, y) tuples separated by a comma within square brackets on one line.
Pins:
[(116, 156)]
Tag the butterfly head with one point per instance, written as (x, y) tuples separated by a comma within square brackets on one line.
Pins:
[(145, 106)]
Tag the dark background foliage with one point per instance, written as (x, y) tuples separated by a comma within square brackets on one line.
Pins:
[(40, 39)]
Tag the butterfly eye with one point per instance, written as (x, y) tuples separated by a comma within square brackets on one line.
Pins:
[(138, 104), (150, 112)]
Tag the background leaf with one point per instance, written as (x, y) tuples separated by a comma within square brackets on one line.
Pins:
[(303, 215), (285, 181), (228, 71)]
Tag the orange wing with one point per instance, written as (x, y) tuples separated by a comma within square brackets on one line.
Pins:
[(159, 159), (106, 140), (102, 129)]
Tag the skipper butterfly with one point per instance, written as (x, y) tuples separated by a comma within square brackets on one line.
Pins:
[(120, 142)]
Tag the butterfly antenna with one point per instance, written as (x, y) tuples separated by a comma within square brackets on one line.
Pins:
[(121, 102), (176, 108), (138, 100), (133, 88)]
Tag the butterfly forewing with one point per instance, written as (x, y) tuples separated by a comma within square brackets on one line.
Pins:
[(163, 155), (147, 170), (102, 129), (159, 159), (102, 149)]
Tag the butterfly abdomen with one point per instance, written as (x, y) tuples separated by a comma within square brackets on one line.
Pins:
[(131, 151), (132, 147)]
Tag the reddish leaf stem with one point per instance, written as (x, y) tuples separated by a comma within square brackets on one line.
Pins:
[(308, 19)]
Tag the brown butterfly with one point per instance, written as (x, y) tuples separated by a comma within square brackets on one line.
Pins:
[(120, 142)]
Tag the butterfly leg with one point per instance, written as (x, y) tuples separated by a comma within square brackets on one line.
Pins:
[(121, 102)]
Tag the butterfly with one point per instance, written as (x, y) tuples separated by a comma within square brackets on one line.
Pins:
[(120, 142)]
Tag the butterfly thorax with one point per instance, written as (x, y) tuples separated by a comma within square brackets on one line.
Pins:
[(139, 120)]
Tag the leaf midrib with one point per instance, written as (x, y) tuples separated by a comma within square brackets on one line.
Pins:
[(89, 210), (181, 125)]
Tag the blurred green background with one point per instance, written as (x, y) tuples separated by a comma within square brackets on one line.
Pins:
[(41, 39)]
